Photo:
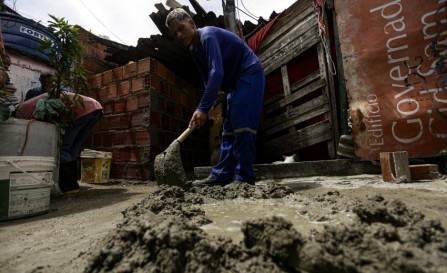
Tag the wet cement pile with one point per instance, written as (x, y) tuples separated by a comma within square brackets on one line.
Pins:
[(162, 234)]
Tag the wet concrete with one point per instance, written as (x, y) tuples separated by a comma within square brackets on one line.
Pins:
[(165, 233), (168, 166)]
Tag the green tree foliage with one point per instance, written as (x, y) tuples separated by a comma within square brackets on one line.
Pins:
[(65, 56)]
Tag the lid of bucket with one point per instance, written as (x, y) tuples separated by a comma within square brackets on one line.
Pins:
[(87, 153), (27, 160)]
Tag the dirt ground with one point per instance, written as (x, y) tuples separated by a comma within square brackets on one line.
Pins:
[(312, 224)]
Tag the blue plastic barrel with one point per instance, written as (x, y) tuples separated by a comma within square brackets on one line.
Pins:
[(24, 35)]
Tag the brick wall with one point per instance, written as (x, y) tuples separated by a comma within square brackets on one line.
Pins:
[(146, 107), (94, 54)]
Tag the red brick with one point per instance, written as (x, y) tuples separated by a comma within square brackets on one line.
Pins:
[(88, 142), (103, 123), (132, 103), (155, 118), (161, 71), (174, 125), (97, 140), (162, 139), (118, 73), (170, 77), (165, 89), (153, 83), (165, 122), (119, 122), (111, 91), (169, 107), (125, 121), (120, 106), (183, 98), (143, 99), (102, 93), (129, 138), (137, 84), (108, 107), (154, 65), (177, 111), (130, 70), (137, 119), (123, 88), (142, 137), (96, 81), (424, 172), (144, 66), (107, 140), (129, 154), (114, 122), (116, 154), (116, 170), (107, 77), (130, 170), (118, 138)]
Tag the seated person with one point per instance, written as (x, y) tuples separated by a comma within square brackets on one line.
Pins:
[(45, 81), (73, 138)]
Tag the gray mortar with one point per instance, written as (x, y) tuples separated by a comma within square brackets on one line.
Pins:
[(168, 166), (162, 234)]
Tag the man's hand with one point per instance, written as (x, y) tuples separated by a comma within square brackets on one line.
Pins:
[(198, 119)]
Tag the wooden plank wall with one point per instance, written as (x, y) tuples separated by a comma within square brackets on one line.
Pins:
[(305, 113)]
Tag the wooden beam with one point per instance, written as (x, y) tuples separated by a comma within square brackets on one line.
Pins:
[(301, 93), (305, 111), (305, 137)]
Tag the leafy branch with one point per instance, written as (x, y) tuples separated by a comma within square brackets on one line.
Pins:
[(65, 54)]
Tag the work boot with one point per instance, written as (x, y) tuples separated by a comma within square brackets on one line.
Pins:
[(68, 177), (209, 181), (237, 183)]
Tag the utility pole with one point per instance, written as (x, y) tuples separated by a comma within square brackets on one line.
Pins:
[(229, 11)]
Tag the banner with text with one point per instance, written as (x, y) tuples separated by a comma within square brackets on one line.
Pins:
[(394, 58)]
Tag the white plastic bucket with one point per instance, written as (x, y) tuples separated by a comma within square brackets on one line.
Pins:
[(25, 185)]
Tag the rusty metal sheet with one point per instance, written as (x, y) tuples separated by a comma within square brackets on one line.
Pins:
[(394, 55)]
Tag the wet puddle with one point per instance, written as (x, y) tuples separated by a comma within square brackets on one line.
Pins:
[(228, 215)]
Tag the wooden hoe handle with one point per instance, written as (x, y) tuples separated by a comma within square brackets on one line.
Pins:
[(186, 133)]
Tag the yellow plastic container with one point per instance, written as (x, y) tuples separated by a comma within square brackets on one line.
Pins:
[(95, 166)]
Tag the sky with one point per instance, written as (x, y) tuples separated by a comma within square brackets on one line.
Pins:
[(124, 21)]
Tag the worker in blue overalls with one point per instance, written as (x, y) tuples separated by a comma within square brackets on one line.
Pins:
[(226, 63)]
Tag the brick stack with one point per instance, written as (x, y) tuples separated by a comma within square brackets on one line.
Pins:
[(94, 54), (146, 107)]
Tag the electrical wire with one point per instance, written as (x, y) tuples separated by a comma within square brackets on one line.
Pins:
[(256, 19), (238, 12), (248, 10), (101, 22)]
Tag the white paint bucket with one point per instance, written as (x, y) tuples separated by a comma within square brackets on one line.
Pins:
[(25, 185)]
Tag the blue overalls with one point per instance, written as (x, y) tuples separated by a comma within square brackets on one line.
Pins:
[(226, 62)]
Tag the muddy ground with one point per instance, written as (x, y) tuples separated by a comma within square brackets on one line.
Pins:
[(313, 224)]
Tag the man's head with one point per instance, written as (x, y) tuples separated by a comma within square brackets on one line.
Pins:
[(46, 79), (182, 26)]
